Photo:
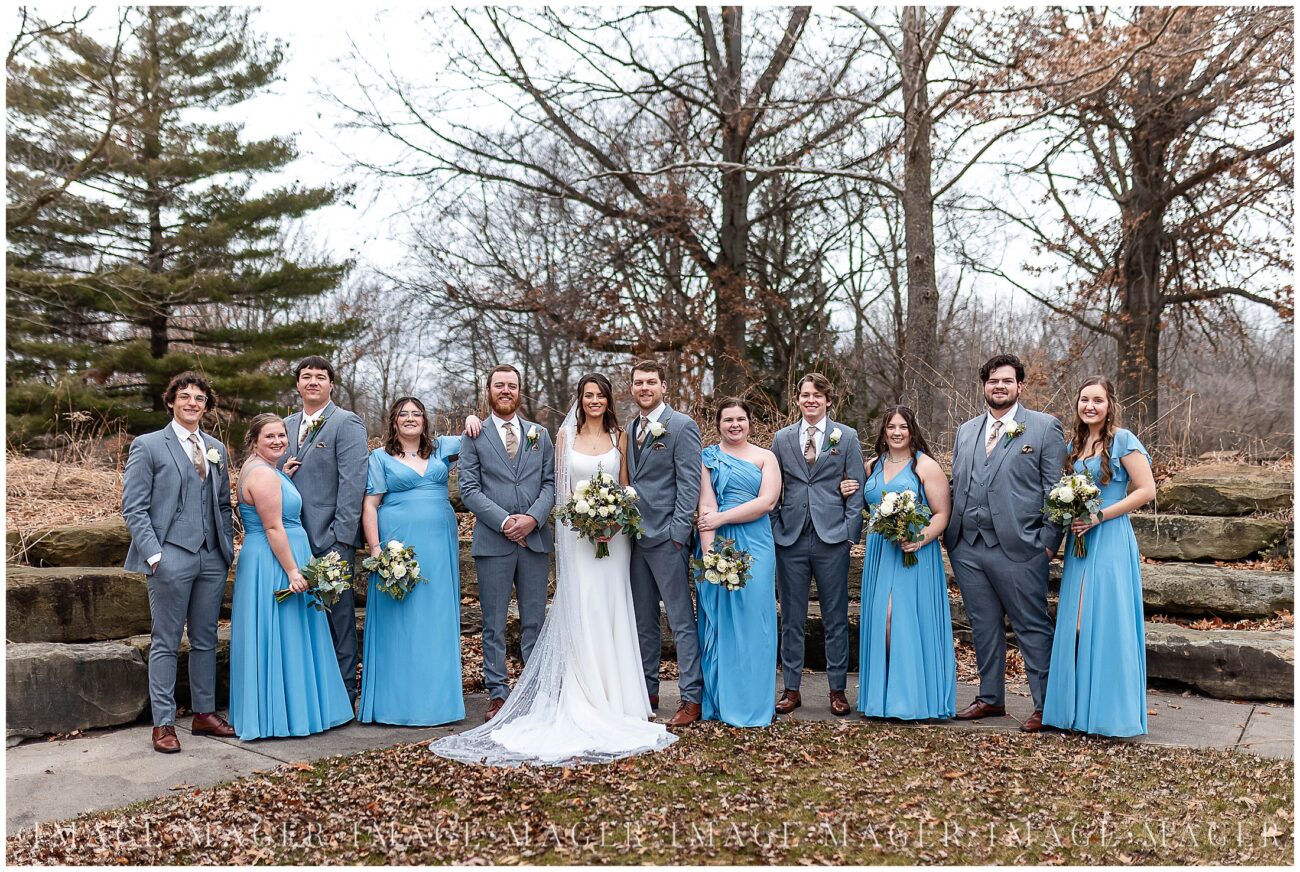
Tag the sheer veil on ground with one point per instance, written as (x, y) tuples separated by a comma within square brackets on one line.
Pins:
[(554, 716)]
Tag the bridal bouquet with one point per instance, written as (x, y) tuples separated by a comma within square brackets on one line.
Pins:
[(1074, 496), (899, 518), (724, 564), (398, 570), (328, 576), (599, 508)]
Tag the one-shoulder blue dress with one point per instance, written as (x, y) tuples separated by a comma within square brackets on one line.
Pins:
[(1098, 679), (737, 629), (284, 675), (916, 677), (410, 670)]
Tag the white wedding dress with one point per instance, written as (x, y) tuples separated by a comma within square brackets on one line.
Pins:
[(582, 696)]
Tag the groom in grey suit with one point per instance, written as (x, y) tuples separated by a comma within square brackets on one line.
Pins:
[(507, 479), (331, 445), (176, 503), (1003, 464), (814, 525), (665, 466)]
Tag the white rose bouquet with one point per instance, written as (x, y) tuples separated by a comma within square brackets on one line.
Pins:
[(328, 576), (899, 517), (1074, 496), (397, 568), (600, 508), (723, 564)]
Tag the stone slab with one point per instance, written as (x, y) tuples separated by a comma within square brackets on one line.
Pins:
[(1202, 537), (57, 688), (100, 543), (1227, 489), (74, 604)]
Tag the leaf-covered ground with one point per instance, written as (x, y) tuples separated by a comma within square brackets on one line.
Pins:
[(795, 793)]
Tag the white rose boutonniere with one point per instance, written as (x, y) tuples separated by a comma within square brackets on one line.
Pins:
[(214, 457), (657, 431), (835, 436), (532, 436), (1014, 429)]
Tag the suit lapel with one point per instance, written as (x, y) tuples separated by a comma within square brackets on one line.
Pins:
[(524, 447), (328, 415), (292, 425), (494, 439), (642, 453), (1000, 452), (797, 463), (184, 465), (823, 453)]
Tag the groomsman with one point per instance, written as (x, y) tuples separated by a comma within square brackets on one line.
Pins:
[(814, 526), (507, 479), (176, 503), (331, 445), (1004, 462), (665, 467)]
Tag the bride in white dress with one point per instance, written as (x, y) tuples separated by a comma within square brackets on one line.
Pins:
[(582, 696)]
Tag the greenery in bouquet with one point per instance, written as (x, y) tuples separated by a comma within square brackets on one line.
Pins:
[(1074, 496), (600, 508), (724, 564), (328, 576), (397, 568), (900, 518)]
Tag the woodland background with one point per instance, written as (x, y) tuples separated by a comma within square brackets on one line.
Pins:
[(888, 195)]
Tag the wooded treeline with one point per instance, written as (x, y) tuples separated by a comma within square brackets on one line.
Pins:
[(886, 194)]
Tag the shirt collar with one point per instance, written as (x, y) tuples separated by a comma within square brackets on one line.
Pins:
[(656, 412), (820, 425), (513, 419), (182, 433), (1006, 419), (319, 415)]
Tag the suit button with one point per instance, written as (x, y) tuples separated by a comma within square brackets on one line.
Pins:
[(803, 506)]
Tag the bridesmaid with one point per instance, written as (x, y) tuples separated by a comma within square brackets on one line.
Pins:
[(906, 665), (740, 485), (284, 677), (412, 672), (1098, 674)]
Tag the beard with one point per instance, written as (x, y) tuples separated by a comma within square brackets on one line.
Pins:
[(503, 408), (1005, 403)]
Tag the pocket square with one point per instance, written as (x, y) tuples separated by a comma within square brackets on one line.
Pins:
[(659, 446), (1028, 449), (834, 451), (320, 444)]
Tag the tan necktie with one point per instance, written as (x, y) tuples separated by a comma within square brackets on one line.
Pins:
[(196, 454), (643, 430), (810, 447), (512, 444), (994, 431)]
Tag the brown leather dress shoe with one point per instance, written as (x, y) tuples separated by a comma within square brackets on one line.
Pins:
[(687, 713), (788, 702), (493, 707), (211, 724), (979, 709), (164, 739), (1033, 724), (839, 703)]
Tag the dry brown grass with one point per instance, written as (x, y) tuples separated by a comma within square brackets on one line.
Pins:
[(46, 493)]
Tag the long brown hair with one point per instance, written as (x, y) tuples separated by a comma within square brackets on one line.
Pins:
[(392, 444), (609, 422), (914, 432), (1108, 426)]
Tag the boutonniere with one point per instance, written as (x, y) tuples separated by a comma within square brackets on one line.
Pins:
[(835, 436), (657, 431), (214, 457), (1014, 429), (531, 438), (314, 427)]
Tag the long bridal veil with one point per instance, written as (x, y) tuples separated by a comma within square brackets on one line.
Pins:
[(552, 717)]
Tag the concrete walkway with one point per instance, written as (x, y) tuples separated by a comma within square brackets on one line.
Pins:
[(49, 781)]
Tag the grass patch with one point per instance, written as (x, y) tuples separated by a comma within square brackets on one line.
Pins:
[(794, 793)]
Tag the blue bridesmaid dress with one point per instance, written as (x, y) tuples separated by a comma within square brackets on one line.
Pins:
[(737, 629), (284, 675), (411, 673), (917, 677), (1098, 678)]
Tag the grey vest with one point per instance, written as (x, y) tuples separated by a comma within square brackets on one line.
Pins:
[(978, 517), (211, 524)]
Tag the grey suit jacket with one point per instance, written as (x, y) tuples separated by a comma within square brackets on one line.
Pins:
[(666, 475), (332, 478), (1024, 470), (493, 487), (816, 490), (162, 497)]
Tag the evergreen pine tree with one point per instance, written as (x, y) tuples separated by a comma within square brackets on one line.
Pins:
[(139, 235)]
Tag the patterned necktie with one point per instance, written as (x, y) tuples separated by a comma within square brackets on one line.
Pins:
[(308, 421), (810, 447), (642, 431), (196, 454), (994, 431), (512, 444)]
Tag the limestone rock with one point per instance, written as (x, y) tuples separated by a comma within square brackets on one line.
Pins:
[(1198, 537), (1227, 489), (100, 543), (1201, 589), (71, 604), (57, 688), (1228, 664)]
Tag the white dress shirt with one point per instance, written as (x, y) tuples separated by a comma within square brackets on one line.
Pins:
[(804, 427), (184, 436), (304, 424), (1007, 420)]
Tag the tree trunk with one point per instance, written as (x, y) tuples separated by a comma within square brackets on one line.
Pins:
[(730, 277), (918, 221), (152, 151)]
